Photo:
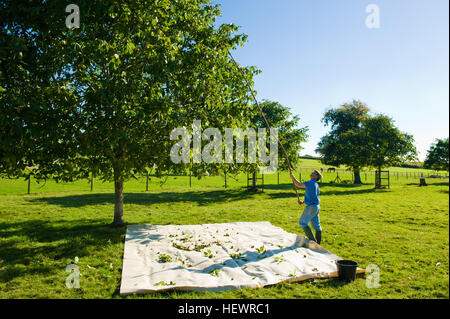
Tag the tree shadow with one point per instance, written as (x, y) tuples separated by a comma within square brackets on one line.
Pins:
[(355, 191), (333, 282), (430, 183), (321, 185), (146, 199), (285, 186), (56, 240), (337, 189)]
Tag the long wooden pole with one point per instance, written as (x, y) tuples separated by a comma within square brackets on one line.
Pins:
[(265, 120)]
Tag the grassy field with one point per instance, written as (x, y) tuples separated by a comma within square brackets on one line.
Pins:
[(398, 175), (404, 230)]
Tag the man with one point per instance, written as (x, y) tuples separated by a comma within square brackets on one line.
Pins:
[(311, 212)]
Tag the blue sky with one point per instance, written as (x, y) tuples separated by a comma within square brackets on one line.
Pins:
[(316, 54)]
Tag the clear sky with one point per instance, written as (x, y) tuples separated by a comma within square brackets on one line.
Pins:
[(316, 54)]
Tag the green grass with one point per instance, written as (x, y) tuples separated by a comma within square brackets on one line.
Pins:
[(404, 230), (398, 175)]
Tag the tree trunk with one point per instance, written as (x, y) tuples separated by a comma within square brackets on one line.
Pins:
[(357, 176), (118, 203)]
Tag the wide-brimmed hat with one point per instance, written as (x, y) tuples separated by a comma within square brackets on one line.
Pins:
[(319, 174)]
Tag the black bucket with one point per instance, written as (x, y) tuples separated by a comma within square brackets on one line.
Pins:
[(347, 270)]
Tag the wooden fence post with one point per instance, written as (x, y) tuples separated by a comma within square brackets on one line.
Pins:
[(146, 183), (29, 183), (225, 179)]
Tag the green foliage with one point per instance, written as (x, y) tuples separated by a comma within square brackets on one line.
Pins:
[(164, 258), (347, 117), (386, 144), (163, 283), (278, 260), (342, 145), (281, 118), (208, 253), (438, 155), (358, 139), (261, 251), (214, 272), (104, 97), (36, 100), (236, 255)]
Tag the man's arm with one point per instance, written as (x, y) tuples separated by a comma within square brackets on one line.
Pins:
[(296, 182)]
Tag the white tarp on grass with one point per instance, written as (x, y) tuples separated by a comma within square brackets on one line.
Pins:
[(218, 257)]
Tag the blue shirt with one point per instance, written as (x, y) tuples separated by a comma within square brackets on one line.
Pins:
[(312, 192)]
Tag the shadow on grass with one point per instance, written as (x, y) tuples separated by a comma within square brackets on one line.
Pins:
[(321, 185), (332, 282), (337, 189), (28, 243), (430, 183), (199, 197)]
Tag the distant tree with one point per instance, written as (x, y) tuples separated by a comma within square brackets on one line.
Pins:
[(343, 144), (281, 118), (438, 155), (359, 140), (385, 144)]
